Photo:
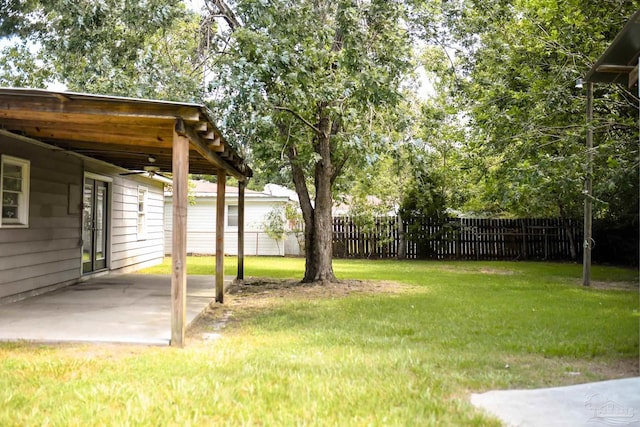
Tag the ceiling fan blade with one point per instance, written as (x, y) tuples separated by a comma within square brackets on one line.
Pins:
[(164, 176), (133, 173)]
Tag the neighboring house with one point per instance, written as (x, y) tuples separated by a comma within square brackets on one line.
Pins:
[(201, 221), (80, 194)]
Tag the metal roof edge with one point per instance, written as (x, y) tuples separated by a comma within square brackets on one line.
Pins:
[(90, 96), (633, 20)]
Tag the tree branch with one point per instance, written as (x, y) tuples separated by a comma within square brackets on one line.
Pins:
[(338, 169), (223, 10), (299, 117), (300, 184)]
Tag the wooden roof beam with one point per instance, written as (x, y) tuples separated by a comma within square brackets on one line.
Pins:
[(85, 118), (92, 147), (102, 108), (89, 128), (216, 145), (204, 150), (201, 127), (613, 68), (158, 140)]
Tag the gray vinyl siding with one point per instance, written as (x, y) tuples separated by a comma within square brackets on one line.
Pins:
[(128, 249), (48, 253)]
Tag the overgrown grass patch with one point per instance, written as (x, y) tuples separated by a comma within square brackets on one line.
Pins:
[(405, 357)]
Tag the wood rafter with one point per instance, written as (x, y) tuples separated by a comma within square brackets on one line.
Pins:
[(633, 77)]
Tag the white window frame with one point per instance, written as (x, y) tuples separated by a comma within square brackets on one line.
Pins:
[(22, 220), (141, 224), (236, 216)]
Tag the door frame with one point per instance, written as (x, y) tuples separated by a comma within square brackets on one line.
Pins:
[(109, 183)]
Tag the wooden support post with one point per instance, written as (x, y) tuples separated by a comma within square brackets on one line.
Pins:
[(179, 237), (220, 202), (241, 185)]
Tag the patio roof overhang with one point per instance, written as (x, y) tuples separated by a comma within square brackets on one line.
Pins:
[(619, 63), (121, 131), (126, 132)]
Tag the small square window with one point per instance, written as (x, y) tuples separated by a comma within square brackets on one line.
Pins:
[(232, 215), (14, 190)]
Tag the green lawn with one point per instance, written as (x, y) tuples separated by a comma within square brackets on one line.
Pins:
[(409, 358)]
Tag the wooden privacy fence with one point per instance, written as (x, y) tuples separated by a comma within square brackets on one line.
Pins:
[(458, 238)]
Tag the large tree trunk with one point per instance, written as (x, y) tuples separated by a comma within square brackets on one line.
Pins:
[(308, 212), (318, 227), (321, 250)]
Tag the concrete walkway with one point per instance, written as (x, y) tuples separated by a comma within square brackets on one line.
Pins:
[(116, 308), (606, 403)]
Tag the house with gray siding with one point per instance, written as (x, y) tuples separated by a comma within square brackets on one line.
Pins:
[(67, 216)]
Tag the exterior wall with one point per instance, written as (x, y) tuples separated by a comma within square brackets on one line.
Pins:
[(201, 228), (127, 251), (48, 253)]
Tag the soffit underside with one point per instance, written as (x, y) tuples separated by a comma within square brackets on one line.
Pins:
[(121, 131), (619, 63)]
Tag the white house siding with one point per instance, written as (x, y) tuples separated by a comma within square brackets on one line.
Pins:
[(48, 253), (201, 227)]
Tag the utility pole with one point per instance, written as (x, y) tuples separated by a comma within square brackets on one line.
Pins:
[(588, 193)]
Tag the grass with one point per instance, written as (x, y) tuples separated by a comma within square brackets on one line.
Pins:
[(404, 358)]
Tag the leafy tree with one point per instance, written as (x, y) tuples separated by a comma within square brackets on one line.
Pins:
[(274, 224), (307, 85), (134, 48), (519, 61)]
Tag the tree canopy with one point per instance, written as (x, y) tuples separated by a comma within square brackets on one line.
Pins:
[(519, 61), (133, 48)]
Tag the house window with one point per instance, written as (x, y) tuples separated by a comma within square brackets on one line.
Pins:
[(232, 215), (14, 188), (142, 212)]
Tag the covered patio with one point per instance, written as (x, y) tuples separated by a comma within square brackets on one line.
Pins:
[(139, 136), (115, 308)]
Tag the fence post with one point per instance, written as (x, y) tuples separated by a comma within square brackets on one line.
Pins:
[(402, 243)]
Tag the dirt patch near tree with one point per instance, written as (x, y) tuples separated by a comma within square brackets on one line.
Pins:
[(264, 287), (257, 293)]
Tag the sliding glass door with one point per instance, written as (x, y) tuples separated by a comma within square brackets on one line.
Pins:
[(95, 225)]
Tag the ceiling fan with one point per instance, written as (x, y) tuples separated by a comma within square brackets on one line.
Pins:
[(150, 170)]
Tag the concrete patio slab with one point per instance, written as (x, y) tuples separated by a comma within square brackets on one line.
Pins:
[(613, 403), (115, 308)]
